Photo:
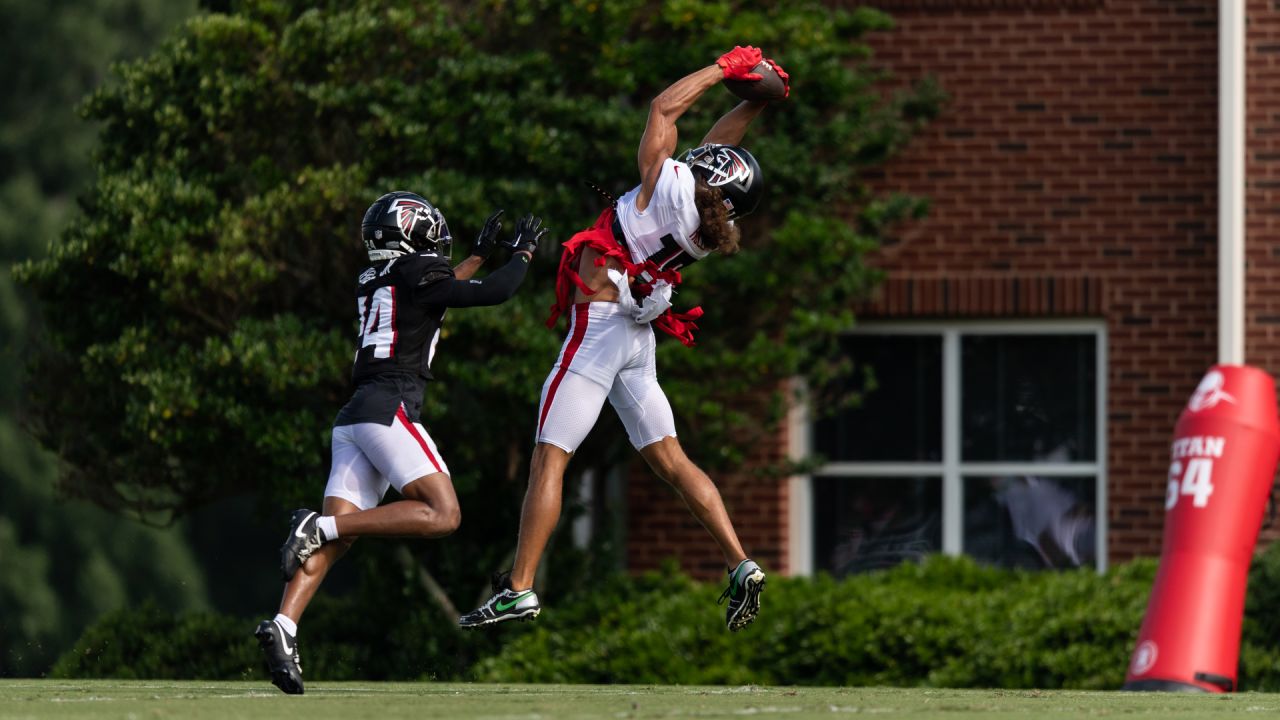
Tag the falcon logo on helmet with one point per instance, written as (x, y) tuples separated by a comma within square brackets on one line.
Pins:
[(733, 170), (401, 222), (408, 213)]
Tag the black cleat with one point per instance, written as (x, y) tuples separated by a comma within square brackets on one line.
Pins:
[(304, 539), (506, 604), (745, 583), (282, 656)]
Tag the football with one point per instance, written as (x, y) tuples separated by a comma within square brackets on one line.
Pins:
[(769, 87)]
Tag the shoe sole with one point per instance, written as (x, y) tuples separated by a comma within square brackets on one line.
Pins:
[(280, 678), (754, 585), (524, 616)]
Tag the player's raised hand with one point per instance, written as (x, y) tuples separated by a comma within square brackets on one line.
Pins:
[(786, 79), (529, 232), (487, 240), (738, 63)]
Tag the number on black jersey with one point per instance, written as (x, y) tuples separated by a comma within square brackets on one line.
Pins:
[(378, 321), (397, 331)]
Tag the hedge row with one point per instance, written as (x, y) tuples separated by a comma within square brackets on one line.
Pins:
[(946, 622)]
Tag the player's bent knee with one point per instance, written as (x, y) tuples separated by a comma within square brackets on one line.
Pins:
[(438, 520), (665, 458), (663, 469), (450, 519)]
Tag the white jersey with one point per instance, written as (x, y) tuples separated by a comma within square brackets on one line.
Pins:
[(666, 230)]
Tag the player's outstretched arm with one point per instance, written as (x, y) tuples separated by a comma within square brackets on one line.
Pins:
[(732, 126), (481, 249), (499, 286), (659, 139)]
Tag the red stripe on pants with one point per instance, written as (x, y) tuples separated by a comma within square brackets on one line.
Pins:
[(575, 341), (418, 436)]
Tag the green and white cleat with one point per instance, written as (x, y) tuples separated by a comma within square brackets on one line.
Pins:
[(506, 604), (745, 584)]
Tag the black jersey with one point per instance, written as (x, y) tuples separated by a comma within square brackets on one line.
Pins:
[(400, 306), (397, 332)]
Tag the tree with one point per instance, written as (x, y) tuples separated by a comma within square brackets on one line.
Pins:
[(63, 564), (200, 311), (55, 53)]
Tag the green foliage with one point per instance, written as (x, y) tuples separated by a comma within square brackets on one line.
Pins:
[(944, 623), (1260, 635), (57, 53), (1262, 621), (386, 630), (148, 642), (64, 50), (64, 565), (61, 566)]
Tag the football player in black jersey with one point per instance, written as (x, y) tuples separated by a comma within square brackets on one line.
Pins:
[(378, 441)]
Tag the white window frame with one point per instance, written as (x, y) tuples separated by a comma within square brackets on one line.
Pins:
[(950, 469)]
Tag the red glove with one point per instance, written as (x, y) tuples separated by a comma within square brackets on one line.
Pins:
[(786, 79), (738, 63)]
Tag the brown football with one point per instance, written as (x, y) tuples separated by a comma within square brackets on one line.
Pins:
[(769, 87)]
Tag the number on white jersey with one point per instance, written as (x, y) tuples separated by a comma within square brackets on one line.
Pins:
[(378, 322)]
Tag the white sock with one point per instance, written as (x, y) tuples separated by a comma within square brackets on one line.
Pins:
[(288, 625), (328, 527)]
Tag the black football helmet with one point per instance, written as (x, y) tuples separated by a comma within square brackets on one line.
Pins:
[(733, 170), (401, 222)]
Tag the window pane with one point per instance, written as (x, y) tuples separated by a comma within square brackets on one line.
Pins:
[(1029, 397), (900, 416), (1031, 522), (865, 523)]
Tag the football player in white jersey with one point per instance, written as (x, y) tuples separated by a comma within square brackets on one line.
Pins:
[(615, 284)]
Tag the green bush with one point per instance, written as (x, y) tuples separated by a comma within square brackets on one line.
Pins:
[(147, 642), (1260, 636), (947, 622), (384, 630)]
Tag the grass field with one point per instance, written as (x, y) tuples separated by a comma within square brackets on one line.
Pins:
[(145, 700)]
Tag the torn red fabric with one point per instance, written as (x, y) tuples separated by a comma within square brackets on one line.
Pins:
[(599, 237)]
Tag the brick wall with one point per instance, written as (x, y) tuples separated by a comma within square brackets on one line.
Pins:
[(661, 527), (1262, 201), (1073, 174)]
